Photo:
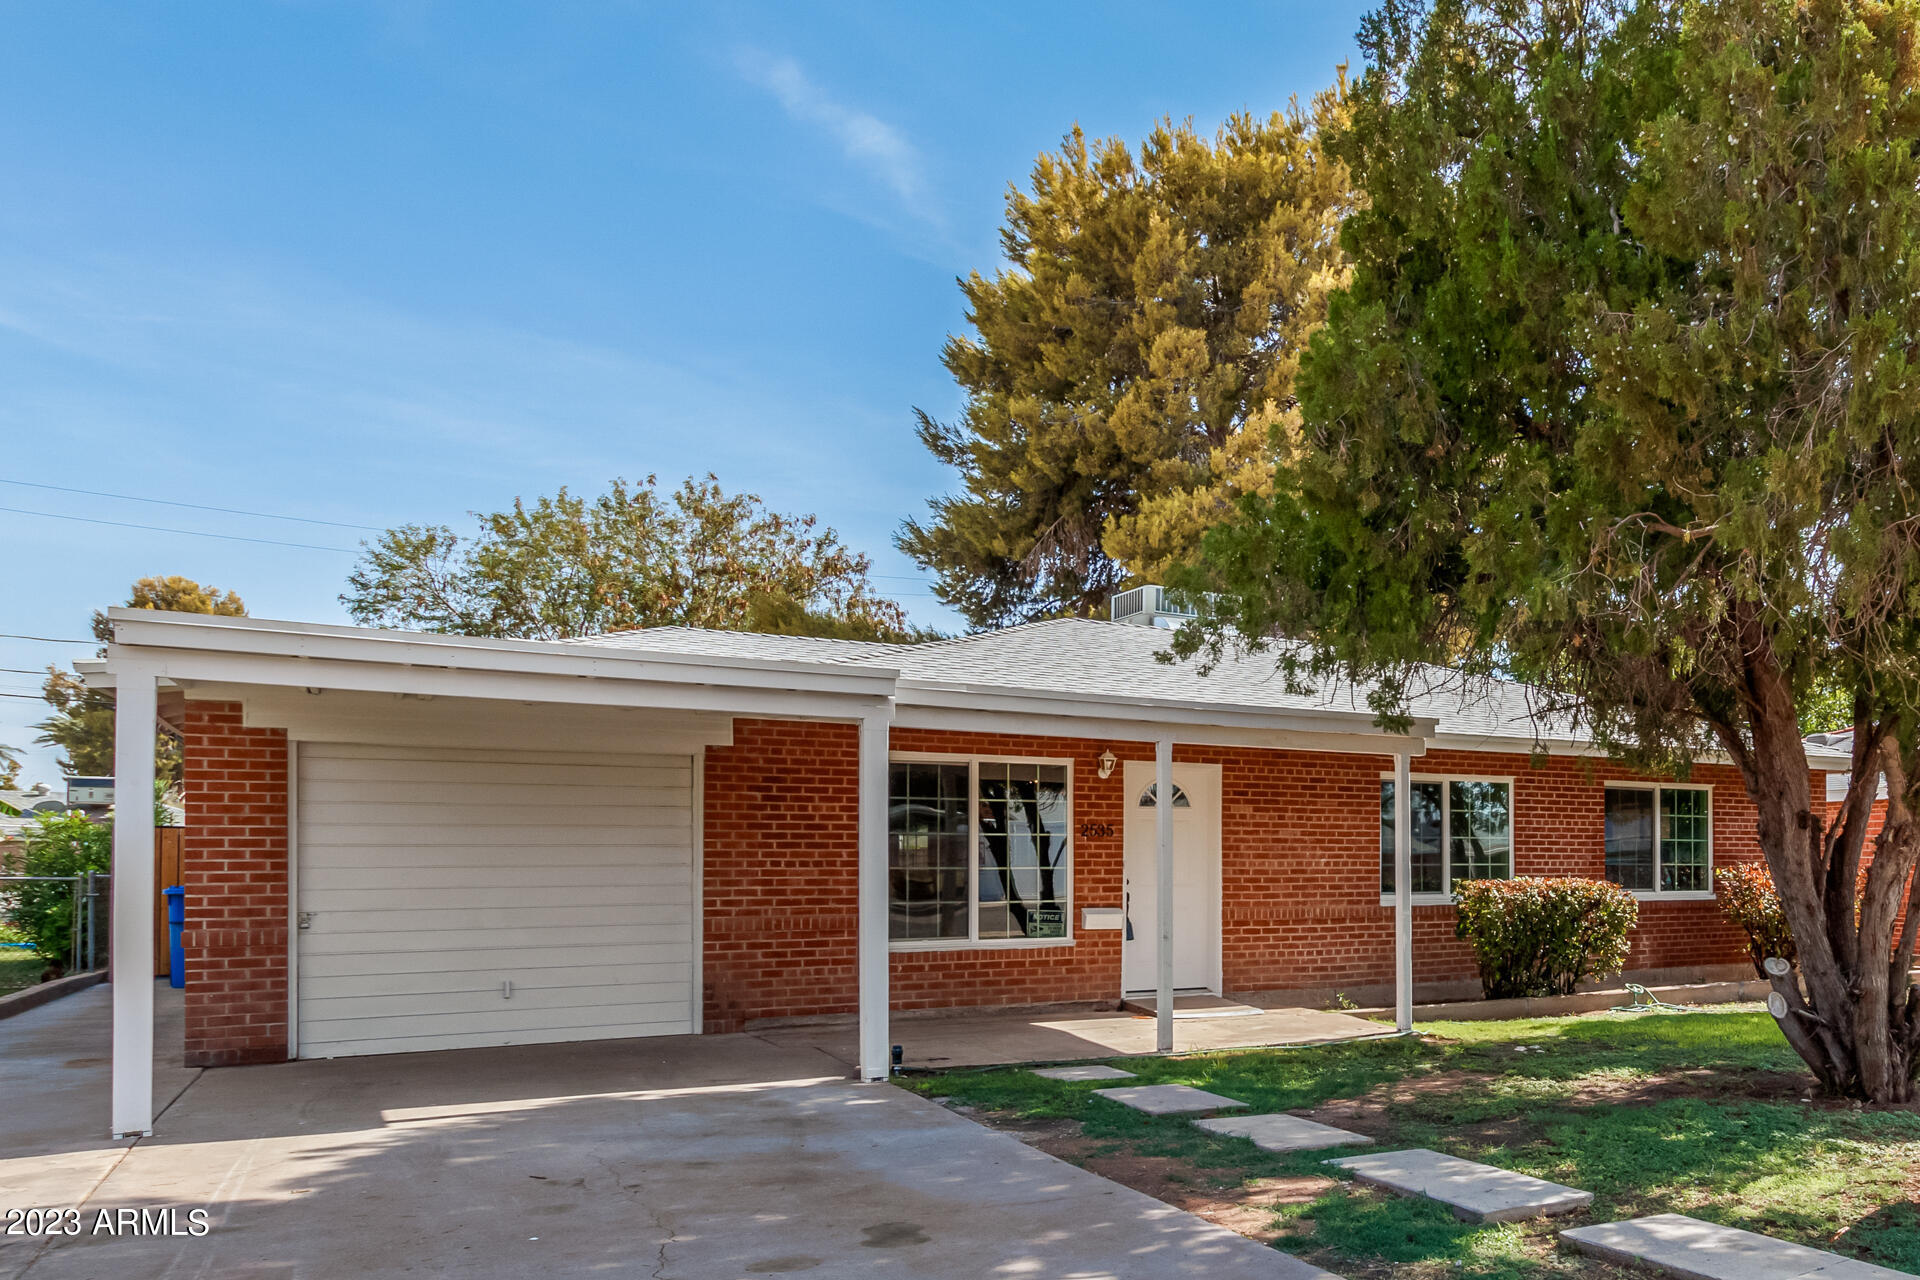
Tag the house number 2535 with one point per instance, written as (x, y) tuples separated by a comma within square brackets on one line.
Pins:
[(1096, 830)]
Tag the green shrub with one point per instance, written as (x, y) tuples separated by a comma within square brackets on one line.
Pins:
[(62, 844), (1542, 937), (1748, 898)]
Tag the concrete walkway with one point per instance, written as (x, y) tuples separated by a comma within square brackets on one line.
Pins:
[(54, 1072), (682, 1158), (1009, 1039)]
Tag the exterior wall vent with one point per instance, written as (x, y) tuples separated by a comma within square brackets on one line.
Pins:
[(1152, 606)]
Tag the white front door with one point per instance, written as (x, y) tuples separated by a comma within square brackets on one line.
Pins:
[(1196, 878)]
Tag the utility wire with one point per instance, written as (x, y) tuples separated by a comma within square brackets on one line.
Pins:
[(8, 635), (191, 506), (192, 533)]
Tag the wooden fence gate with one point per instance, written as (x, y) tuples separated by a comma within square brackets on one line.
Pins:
[(166, 871)]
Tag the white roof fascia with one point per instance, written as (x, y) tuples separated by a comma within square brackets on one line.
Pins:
[(1190, 731), (1817, 757), (939, 704), (249, 650)]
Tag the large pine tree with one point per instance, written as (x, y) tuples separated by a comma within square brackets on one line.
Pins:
[(1126, 367)]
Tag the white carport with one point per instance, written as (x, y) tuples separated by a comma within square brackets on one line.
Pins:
[(381, 712), (378, 699)]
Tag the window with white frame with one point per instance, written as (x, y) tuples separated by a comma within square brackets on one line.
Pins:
[(1660, 838), (977, 851), (1462, 830)]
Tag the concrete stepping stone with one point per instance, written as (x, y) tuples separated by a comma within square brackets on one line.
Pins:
[(1167, 1099), (1475, 1192), (1094, 1072), (1681, 1246), (1284, 1132)]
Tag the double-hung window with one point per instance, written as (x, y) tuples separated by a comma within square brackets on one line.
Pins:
[(1660, 838), (1462, 830), (978, 851)]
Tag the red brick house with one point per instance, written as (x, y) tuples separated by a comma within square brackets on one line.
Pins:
[(399, 842)]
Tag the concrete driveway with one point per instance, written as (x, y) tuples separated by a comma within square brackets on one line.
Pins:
[(680, 1158)]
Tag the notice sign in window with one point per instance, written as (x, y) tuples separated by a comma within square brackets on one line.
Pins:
[(1047, 922)]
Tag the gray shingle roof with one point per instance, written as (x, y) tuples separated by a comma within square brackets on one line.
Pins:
[(1088, 658), (745, 644)]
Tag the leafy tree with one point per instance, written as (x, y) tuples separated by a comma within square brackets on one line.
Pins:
[(1126, 367), (569, 566), (9, 767), (57, 844), (1623, 401), (82, 721)]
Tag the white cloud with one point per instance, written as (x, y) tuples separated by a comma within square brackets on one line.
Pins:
[(862, 137)]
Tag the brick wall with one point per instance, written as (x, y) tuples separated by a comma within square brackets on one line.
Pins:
[(234, 867), (781, 853), (1300, 865)]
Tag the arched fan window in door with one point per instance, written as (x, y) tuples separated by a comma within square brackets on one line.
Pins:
[(1151, 797)]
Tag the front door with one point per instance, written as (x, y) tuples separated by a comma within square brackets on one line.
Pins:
[(1196, 878)]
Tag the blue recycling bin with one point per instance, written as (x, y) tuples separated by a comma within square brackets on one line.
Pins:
[(176, 920)]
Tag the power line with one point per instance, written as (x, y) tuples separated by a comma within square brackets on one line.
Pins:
[(191, 506), (8, 635), (191, 533), (34, 696), (25, 671)]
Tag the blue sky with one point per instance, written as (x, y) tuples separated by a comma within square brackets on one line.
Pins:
[(374, 263)]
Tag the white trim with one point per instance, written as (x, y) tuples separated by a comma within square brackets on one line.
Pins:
[(984, 944), (873, 911), (293, 899), (1224, 726), (1824, 758), (586, 686), (973, 941), (1656, 786), (265, 637), (1163, 895), (1403, 894), (130, 960), (698, 1016)]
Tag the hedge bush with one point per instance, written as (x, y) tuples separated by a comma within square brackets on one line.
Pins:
[(62, 844), (1748, 898), (1538, 936)]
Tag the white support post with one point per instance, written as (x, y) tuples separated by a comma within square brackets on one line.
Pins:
[(1403, 891), (131, 964), (1163, 893), (876, 1049)]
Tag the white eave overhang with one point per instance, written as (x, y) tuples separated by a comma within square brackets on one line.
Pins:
[(188, 649), (992, 708)]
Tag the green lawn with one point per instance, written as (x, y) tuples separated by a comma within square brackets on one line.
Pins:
[(19, 969), (1698, 1113)]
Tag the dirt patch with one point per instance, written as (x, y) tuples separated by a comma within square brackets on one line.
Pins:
[(1368, 1113), (1371, 1112), (1246, 1208), (1243, 1207)]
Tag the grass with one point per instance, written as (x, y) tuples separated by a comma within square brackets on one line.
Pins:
[(1706, 1113), (19, 969)]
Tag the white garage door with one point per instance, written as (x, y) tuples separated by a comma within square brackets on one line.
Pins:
[(453, 898)]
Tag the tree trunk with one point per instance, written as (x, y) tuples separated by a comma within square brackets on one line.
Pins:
[(1850, 1009)]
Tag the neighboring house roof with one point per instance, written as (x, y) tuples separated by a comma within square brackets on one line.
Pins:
[(1837, 783), (38, 798)]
